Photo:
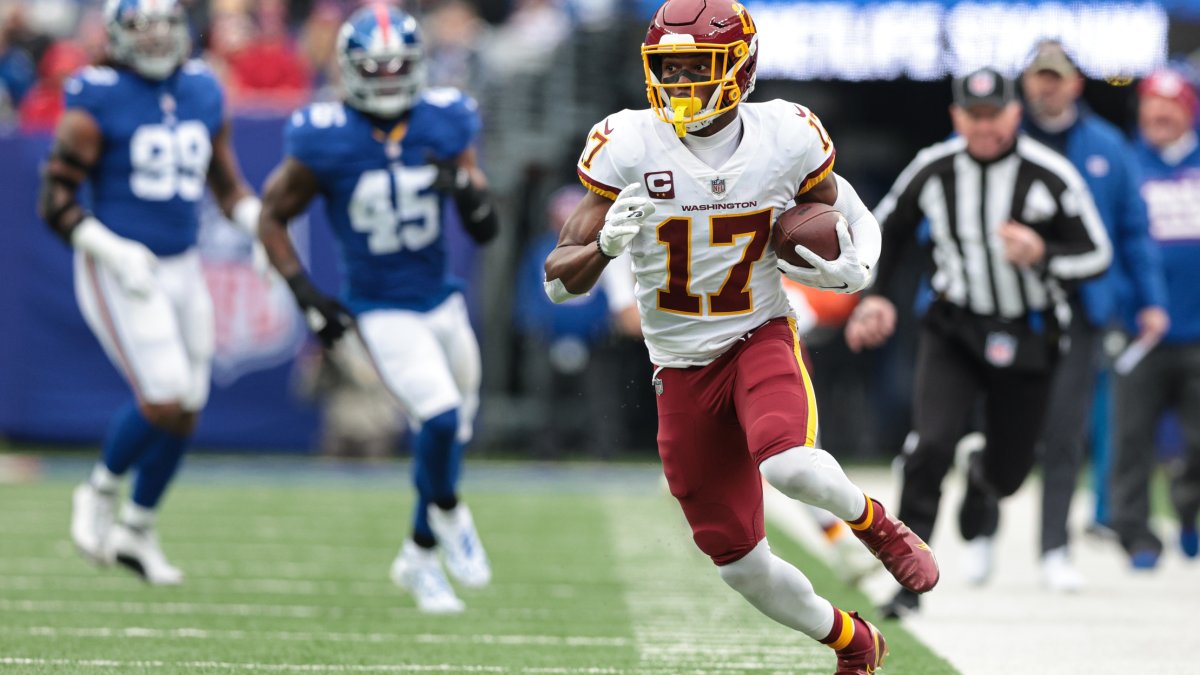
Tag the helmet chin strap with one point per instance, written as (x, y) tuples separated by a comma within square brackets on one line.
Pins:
[(684, 108)]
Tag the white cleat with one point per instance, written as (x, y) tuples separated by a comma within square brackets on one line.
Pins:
[(456, 536), (1059, 573), (418, 571), (977, 561), (91, 521), (139, 551)]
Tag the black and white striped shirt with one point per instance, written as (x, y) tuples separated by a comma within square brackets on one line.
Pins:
[(966, 202)]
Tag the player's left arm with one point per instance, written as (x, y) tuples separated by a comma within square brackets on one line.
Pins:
[(864, 229), (468, 186), (858, 237), (234, 196)]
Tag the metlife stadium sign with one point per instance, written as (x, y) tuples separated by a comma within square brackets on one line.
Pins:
[(867, 40)]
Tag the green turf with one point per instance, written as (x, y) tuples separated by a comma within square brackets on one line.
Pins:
[(293, 578)]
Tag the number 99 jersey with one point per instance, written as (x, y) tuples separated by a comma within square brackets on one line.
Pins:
[(379, 195), (706, 273), (157, 145)]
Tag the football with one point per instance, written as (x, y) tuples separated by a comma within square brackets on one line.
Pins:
[(811, 225)]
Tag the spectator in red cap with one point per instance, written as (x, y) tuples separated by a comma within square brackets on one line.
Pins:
[(1168, 153)]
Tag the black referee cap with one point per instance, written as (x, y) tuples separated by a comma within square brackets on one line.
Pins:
[(983, 86)]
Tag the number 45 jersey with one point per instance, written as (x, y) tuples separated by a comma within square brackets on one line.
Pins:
[(379, 196), (153, 168), (705, 269)]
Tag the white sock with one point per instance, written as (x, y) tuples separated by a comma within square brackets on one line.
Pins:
[(104, 480), (813, 476), (137, 517), (779, 590)]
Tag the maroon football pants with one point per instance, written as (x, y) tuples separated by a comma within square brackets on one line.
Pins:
[(716, 423)]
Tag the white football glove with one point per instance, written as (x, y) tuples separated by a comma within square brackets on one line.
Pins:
[(129, 261), (245, 216), (844, 275), (624, 220)]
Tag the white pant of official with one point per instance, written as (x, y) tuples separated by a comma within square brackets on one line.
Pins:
[(162, 343), (429, 360)]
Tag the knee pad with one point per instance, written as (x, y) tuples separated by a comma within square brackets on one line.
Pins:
[(750, 574), (797, 474)]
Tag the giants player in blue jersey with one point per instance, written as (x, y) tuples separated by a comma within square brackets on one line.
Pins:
[(147, 132), (385, 160)]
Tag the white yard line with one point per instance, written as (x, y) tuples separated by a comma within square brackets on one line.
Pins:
[(242, 609), (1124, 623), (684, 619), (120, 582), (55, 632), (295, 667)]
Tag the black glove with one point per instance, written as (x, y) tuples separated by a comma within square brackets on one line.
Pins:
[(325, 316), (474, 205), (451, 177)]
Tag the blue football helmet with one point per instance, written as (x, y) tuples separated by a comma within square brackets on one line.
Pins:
[(381, 55), (149, 36)]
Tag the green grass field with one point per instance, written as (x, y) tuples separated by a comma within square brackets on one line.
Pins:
[(289, 574)]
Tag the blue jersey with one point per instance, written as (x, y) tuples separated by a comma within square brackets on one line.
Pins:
[(1172, 191), (379, 196), (157, 145)]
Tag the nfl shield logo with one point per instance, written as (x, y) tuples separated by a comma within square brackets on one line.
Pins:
[(718, 186), (1000, 349)]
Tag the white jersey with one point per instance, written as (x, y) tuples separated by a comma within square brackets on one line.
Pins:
[(705, 269)]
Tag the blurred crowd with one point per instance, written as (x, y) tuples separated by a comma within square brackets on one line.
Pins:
[(275, 54)]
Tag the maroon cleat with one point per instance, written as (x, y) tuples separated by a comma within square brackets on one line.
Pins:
[(864, 655), (901, 551)]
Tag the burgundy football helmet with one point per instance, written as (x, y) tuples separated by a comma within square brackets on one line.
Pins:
[(721, 29)]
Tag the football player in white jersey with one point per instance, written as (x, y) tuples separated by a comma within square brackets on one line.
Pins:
[(704, 174)]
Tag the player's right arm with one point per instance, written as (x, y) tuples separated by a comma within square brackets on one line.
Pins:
[(604, 224), (78, 142), (287, 194), (575, 265)]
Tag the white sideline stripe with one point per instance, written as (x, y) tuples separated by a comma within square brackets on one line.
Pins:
[(296, 636), (306, 667)]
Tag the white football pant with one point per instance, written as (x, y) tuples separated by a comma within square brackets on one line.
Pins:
[(163, 343), (429, 360)]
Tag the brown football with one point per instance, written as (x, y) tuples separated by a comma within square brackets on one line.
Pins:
[(811, 225)]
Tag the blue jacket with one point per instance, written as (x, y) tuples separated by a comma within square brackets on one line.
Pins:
[(1102, 155), (585, 317), (1172, 193)]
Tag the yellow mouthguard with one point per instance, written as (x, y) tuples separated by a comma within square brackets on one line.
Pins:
[(684, 108)]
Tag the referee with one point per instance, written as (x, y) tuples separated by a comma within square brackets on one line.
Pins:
[(1011, 223)]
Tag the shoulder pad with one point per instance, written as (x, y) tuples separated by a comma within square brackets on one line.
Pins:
[(445, 97), (94, 76), (322, 115), (196, 67), (627, 132)]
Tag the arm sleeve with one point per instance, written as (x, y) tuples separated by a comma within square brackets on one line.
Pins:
[(617, 282), (1078, 247), (1139, 255), (864, 229), (898, 216)]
